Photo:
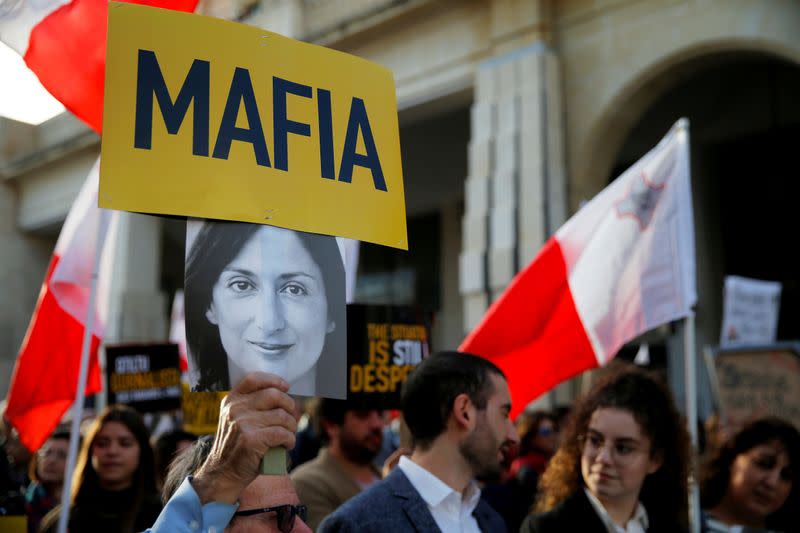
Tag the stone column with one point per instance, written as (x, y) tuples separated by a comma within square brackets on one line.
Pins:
[(516, 184), (138, 307)]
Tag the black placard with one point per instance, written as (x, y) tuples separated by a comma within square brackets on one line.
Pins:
[(384, 344), (145, 376)]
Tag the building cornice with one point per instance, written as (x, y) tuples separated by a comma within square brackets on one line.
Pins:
[(25, 147)]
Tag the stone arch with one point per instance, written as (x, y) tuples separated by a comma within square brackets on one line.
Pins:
[(594, 157)]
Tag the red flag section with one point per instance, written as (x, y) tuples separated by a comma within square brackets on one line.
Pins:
[(46, 372), (45, 377), (622, 265), (533, 331), (64, 43), (67, 51)]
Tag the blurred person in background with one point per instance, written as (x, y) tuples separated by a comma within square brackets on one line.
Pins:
[(623, 463), (514, 493), (562, 414), (391, 438), (353, 437), (308, 440), (15, 455), (750, 483), (536, 446), (46, 471), (113, 487), (13, 480), (166, 447)]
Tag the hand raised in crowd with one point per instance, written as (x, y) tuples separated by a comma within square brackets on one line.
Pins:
[(257, 415)]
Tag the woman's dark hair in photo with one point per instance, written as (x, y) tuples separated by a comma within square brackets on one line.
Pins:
[(664, 493), (717, 472), (217, 244)]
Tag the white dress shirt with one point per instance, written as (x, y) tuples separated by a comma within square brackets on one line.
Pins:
[(451, 510), (637, 524)]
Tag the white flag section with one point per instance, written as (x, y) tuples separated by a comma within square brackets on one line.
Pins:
[(750, 311), (349, 249), (76, 246), (177, 328), (18, 19), (629, 252)]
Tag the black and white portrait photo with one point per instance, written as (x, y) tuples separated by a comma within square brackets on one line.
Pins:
[(265, 298)]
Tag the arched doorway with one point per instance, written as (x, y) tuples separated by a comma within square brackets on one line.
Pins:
[(745, 129)]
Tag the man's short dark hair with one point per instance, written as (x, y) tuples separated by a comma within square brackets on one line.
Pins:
[(428, 394)]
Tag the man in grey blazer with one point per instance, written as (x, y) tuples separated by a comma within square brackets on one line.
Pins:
[(457, 408)]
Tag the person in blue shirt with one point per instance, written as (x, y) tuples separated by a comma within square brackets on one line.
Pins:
[(216, 485)]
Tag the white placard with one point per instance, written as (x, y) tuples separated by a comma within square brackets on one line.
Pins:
[(750, 311)]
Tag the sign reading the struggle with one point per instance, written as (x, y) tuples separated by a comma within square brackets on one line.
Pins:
[(214, 119), (144, 376), (384, 344)]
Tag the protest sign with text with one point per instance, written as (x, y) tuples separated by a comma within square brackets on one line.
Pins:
[(384, 344), (144, 376), (213, 119), (751, 382), (200, 410)]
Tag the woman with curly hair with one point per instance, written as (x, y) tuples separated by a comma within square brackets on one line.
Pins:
[(750, 480), (623, 464)]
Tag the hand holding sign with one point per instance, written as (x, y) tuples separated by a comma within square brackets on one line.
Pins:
[(263, 298), (257, 416)]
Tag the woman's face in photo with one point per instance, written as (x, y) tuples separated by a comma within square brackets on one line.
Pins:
[(270, 306)]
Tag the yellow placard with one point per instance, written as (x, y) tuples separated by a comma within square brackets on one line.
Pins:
[(200, 410), (213, 119), (14, 524)]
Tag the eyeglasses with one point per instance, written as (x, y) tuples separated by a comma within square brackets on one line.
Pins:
[(58, 454), (621, 452), (284, 513)]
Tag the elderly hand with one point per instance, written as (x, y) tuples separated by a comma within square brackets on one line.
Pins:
[(256, 415)]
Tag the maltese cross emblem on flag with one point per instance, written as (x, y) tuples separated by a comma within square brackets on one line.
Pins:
[(640, 201)]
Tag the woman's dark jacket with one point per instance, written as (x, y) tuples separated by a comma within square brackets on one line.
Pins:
[(577, 514)]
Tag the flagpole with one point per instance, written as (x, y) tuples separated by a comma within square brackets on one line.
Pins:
[(690, 390), (77, 413)]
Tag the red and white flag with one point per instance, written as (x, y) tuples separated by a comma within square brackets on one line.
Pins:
[(177, 330), (622, 265), (46, 372), (64, 43)]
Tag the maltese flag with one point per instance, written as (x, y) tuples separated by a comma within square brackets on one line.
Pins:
[(46, 372), (64, 43), (622, 265)]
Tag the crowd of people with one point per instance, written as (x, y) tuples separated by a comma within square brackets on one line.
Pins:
[(618, 460)]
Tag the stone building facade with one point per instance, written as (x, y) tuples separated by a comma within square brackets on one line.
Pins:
[(512, 113)]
